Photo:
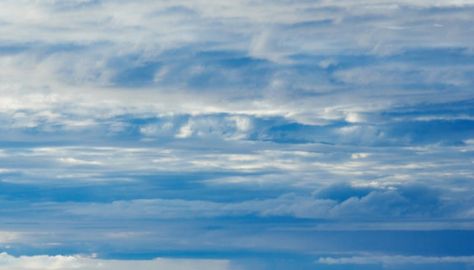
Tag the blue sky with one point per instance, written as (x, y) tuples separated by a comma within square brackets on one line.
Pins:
[(237, 135)]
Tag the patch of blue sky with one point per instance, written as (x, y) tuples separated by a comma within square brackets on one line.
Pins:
[(204, 70)]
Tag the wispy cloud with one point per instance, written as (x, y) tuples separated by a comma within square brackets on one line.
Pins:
[(397, 260)]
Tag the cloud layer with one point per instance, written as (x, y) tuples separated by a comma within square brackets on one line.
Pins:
[(255, 134), (88, 263)]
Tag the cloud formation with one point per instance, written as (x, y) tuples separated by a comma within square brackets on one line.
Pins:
[(89, 263), (263, 133), (394, 260)]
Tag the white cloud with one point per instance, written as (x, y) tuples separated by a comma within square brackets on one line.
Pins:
[(360, 155), (231, 127), (75, 161), (394, 260), (71, 67), (8, 237), (77, 262), (269, 100)]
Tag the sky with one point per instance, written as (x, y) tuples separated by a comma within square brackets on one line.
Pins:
[(237, 135)]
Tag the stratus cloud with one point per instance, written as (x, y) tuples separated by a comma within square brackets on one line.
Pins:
[(77, 262), (336, 203), (309, 166), (394, 260)]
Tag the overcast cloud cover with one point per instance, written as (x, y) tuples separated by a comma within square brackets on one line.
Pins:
[(236, 135)]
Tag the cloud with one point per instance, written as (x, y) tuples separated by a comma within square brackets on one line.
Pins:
[(404, 201), (79, 70), (396, 260), (339, 202), (208, 126), (232, 127), (88, 263), (9, 236)]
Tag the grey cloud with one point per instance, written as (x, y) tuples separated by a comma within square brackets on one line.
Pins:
[(393, 203)]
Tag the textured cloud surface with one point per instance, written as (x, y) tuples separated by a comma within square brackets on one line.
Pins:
[(236, 134)]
